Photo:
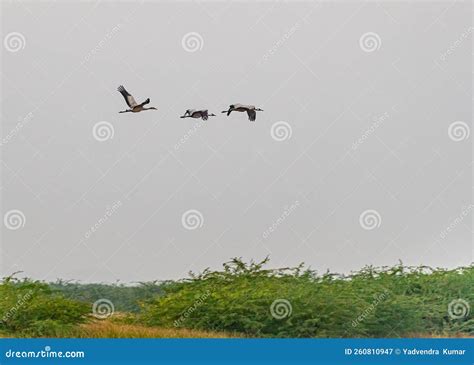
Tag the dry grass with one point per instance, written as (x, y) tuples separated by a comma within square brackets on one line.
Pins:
[(118, 328), (112, 329), (440, 335), (109, 329)]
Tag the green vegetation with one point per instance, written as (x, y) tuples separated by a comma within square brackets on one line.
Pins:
[(125, 298), (32, 309), (387, 302), (252, 301)]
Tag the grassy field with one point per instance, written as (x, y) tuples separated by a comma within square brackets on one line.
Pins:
[(249, 300), (109, 328), (113, 329)]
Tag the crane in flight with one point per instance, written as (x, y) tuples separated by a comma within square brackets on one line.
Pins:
[(250, 109), (193, 113), (133, 105)]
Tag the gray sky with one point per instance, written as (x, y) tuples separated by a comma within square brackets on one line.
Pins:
[(370, 161)]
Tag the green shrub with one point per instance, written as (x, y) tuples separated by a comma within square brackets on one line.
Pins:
[(31, 308), (387, 302)]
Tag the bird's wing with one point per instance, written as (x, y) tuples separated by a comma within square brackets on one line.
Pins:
[(252, 114), (147, 101), (128, 98)]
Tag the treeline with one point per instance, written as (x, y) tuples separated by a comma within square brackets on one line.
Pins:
[(125, 298)]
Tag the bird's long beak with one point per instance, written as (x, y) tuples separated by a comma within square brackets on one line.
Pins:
[(224, 111), (212, 115), (183, 116)]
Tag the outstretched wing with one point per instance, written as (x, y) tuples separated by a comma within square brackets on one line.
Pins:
[(128, 98), (252, 114)]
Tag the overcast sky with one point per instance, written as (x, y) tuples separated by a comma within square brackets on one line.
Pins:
[(362, 154)]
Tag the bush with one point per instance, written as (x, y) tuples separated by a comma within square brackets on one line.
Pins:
[(31, 308), (292, 302)]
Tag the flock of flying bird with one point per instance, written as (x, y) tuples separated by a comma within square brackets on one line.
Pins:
[(190, 113)]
